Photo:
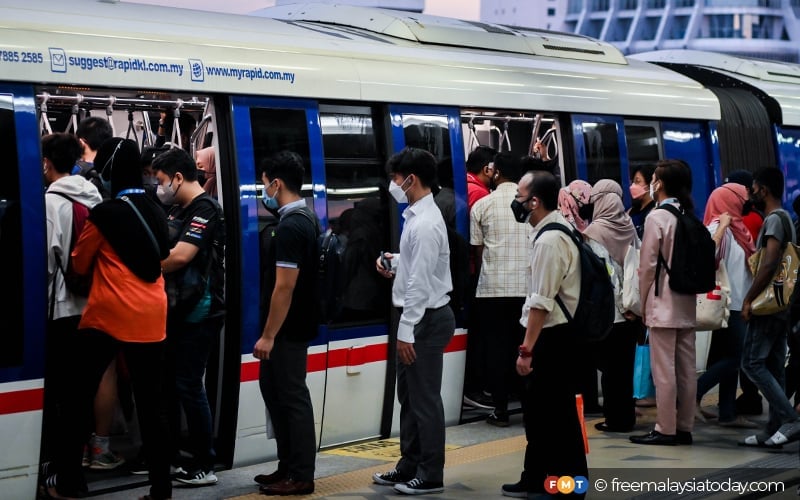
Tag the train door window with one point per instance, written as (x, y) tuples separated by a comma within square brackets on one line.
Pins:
[(428, 132), (601, 144), (276, 130), (358, 209), (644, 145), (11, 309)]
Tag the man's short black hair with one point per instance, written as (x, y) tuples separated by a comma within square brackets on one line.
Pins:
[(772, 179), (414, 161), (508, 166), (63, 150), (150, 153), (544, 186), (286, 166), (176, 160), (479, 158), (95, 131)]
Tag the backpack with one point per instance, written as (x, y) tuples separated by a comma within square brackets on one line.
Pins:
[(77, 284), (88, 172), (694, 262), (594, 316)]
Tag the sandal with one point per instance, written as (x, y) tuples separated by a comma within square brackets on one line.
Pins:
[(758, 441)]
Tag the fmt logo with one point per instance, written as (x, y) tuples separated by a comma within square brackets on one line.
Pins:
[(566, 484)]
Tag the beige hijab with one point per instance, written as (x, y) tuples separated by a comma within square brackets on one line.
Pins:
[(610, 226), (208, 160)]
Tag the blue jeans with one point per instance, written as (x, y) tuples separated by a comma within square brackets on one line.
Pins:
[(190, 346), (764, 359), (725, 371)]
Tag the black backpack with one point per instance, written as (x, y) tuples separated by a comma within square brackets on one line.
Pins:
[(594, 316), (77, 284), (694, 263)]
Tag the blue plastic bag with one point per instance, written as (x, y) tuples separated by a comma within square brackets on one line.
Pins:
[(643, 386)]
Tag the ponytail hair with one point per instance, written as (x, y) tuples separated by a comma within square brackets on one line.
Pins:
[(676, 181)]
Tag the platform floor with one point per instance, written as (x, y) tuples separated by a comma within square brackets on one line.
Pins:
[(480, 458)]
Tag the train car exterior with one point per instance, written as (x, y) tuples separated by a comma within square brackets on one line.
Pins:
[(345, 87)]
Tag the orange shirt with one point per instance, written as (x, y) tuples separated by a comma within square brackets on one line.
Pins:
[(120, 303)]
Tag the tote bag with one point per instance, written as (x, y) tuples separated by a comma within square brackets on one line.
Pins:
[(714, 307), (643, 386), (630, 280), (775, 296)]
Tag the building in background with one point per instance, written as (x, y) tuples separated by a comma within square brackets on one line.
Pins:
[(406, 5), (766, 29)]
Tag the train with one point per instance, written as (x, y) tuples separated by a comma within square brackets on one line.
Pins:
[(345, 87)]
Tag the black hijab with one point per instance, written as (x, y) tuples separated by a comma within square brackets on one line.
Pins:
[(118, 160)]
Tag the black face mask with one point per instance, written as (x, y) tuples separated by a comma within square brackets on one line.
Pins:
[(747, 207), (521, 213), (756, 202), (586, 212)]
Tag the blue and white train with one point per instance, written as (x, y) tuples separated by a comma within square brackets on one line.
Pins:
[(345, 87)]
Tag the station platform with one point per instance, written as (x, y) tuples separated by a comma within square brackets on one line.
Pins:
[(481, 457)]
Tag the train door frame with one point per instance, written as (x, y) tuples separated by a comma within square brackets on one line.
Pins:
[(22, 384), (452, 396), (251, 424), (581, 155), (685, 140)]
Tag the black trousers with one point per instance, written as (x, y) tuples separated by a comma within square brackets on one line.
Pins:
[(94, 350), (614, 357), (504, 334), (555, 440), (282, 380)]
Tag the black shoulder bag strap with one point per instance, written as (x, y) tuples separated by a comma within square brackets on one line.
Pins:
[(661, 261), (144, 224)]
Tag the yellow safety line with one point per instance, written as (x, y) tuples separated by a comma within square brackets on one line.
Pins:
[(356, 479)]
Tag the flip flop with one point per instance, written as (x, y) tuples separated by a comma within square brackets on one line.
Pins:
[(753, 441)]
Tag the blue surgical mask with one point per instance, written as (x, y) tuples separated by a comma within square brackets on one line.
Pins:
[(270, 202)]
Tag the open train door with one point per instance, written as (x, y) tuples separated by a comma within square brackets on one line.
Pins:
[(23, 309)]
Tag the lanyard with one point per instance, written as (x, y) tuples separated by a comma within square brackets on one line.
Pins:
[(130, 191)]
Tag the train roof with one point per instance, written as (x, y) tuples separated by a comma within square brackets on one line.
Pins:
[(336, 52), (779, 80)]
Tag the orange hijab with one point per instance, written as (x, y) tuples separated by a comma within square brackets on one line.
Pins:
[(731, 198)]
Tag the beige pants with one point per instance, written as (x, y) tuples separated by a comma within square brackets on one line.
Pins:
[(672, 359)]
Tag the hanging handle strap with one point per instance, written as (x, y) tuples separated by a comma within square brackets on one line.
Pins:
[(110, 114), (72, 126), (44, 121), (176, 126)]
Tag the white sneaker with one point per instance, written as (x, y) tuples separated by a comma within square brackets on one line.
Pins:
[(197, 478)]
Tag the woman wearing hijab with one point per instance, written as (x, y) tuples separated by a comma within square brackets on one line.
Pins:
[(723, 217), (206, 160), (612, 229), (126, 312), (573, 203)]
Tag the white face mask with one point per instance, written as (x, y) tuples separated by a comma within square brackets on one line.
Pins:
[(652, 191), (166, 194), (397, 192)]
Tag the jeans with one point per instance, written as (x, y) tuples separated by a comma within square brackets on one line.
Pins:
[(763, 359), (725, 371), (190, 346)]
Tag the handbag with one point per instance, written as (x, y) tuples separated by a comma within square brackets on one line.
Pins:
[(714, 307), (630, 280), (775, 296), (643, 386)]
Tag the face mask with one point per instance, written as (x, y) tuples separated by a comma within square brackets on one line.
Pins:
[(165, 194), (397, 192), (586, 212), (270, 202), (637, 191), (652, 191), (521, 212), (757, 201)]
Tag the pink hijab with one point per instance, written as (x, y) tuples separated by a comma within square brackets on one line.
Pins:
[(731, 198), (571, 198), (208, 159), (610, 226)]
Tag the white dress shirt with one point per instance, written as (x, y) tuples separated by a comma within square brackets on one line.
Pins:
[(555, 269), (423, 273)]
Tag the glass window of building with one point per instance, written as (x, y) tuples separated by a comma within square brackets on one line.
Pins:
[(599, 5), (618, 32), (677, 27)]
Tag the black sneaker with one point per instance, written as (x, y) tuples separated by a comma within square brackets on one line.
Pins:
[(391, 478), (197, 478), (498, 420), (516, 490), (478, 400), (419, 486)]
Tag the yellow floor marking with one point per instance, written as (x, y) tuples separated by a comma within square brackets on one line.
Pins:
[(358, 479), (384, 449)]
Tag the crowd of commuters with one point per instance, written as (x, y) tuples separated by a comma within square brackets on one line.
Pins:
[(153, 242)]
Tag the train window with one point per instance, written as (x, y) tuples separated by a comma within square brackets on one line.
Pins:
[(428, 132), (602, 151), (10, 239), (276, 130), (642, 139), (357, 210)]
